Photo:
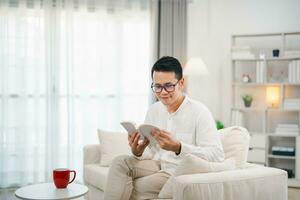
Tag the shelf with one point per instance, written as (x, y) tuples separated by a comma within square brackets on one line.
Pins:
[(253, 109), (274, 134), (257, 163), (282, 135), (256, 133), (265, 34), (292, 182), (265, 84), (281, 157), (267, 59), (249, 109), (283, 109), (262, 119)]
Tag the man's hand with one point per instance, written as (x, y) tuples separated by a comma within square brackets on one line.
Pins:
[(165, 141), (137, 148)]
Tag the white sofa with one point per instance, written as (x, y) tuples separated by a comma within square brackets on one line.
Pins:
[(252, 182)]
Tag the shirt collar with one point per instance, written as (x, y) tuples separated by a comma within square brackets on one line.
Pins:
[(184, 102)]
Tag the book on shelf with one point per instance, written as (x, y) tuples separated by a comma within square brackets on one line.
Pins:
[(287, 129), (288, 132), (293, 104), (291, 107), (294, 100), (283, 151), (261, 70), (288, 125), (292, 54), (298, 71), (294, 71)]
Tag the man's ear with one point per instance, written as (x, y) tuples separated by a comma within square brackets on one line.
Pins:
[(181, 83)]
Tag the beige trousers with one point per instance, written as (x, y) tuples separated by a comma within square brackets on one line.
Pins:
[(130, 178)]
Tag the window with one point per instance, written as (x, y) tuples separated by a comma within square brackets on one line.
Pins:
[(67, 69)]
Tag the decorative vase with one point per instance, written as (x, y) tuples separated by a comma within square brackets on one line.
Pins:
[(276, 52)]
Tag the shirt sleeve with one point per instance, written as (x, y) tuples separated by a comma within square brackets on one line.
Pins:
[(207, 141)]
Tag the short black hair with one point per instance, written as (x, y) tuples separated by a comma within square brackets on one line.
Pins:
[(168, 64)]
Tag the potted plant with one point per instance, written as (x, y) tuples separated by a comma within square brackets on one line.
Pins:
[(247, 100), (219, 124)]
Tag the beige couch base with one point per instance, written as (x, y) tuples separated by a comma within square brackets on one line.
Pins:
[(94, 193)]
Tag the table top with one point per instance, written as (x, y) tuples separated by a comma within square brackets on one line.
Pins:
[(46, 191)]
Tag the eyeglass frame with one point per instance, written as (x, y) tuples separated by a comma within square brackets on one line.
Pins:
[(164, 87)]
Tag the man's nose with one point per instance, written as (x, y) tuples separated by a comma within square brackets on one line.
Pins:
[(164, 91)]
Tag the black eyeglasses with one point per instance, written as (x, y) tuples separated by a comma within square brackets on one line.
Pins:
[(168, 87)]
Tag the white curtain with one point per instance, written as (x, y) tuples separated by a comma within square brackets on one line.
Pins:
[(66, 69)]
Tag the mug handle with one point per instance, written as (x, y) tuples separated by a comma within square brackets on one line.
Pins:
[(73, 176)]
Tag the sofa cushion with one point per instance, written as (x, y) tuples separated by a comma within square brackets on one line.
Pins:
[(95, 175), (235, 142), (112, 144), (192, 164), (259, 183)]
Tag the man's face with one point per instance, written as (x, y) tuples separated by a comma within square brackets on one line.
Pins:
[(173, 87)]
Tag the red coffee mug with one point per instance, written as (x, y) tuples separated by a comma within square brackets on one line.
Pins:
[(61, 177)]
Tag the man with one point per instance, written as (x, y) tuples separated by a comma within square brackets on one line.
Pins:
[(186, 127)]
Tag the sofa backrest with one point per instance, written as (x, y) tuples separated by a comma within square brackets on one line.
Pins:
[(235, 141)]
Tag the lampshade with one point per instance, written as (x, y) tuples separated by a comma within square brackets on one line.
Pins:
[(272, 96), (195, 67)]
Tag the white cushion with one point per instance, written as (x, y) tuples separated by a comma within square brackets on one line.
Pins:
[(112, 144), (192, 164), (235, 141), (95, 175)]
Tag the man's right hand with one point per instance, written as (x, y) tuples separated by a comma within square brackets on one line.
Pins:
[(137, 148)]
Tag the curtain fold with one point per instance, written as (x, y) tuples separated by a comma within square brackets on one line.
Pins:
[(67, 67), (170, 25)]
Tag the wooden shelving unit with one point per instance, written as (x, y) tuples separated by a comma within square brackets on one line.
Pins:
[(260, 119)]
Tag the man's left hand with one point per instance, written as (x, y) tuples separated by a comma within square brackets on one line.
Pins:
[(166, 141)]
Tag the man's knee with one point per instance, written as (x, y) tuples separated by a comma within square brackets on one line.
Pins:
[(119, 160), (122, 160), (150, 184)]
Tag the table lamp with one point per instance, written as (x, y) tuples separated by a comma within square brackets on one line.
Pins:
[(195, 67), (272, 96)]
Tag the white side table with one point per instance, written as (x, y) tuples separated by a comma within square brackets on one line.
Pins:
[(47, 191)]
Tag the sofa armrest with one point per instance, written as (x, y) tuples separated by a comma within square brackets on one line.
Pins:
[(254, 182), (91, 154)]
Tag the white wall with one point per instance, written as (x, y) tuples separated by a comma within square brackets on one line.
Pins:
[(210, 26)]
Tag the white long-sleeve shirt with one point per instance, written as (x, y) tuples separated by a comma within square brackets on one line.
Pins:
[(193, 125)]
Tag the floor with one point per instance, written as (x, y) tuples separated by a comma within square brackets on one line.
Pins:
[(294, 193), (8, 194)]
